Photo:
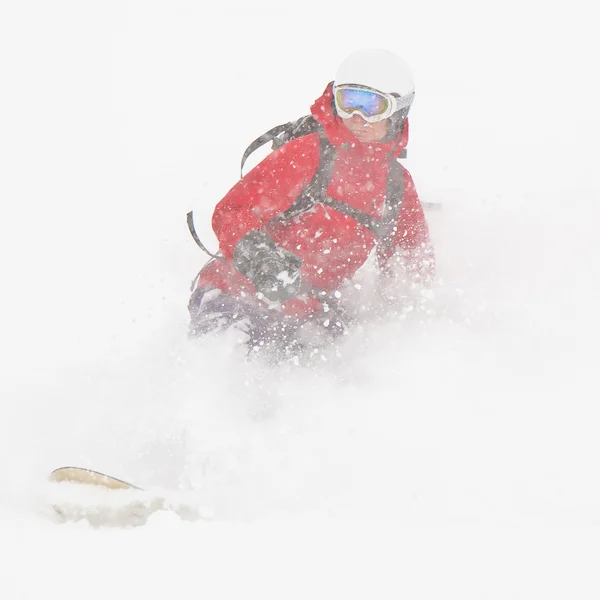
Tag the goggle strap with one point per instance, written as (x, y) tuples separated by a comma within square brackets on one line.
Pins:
[(404, 101)]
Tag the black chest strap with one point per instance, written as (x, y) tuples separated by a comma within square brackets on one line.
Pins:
[(315, 193)]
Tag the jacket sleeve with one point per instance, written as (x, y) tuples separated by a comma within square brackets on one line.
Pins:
[(265, 191), (412, 244)]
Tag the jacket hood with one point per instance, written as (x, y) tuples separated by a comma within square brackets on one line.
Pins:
[(323, 111)]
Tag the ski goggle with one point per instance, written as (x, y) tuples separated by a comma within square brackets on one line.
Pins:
[(373, 106)]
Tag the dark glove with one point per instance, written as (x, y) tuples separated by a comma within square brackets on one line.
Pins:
[(273, 270)]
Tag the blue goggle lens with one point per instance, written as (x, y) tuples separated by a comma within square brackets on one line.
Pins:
[(369, 103)]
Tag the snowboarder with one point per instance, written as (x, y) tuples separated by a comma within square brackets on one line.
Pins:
[(302, 222)]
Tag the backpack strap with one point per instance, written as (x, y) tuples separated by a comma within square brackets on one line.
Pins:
[(268, 136), (314, 192), (281, 134), (393, 201)]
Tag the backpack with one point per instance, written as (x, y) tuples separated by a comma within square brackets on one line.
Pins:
[(314, 192)]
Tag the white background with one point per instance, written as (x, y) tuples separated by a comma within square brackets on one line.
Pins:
[(450, 452)]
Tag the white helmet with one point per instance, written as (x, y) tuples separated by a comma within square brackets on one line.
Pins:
[(381, 70)]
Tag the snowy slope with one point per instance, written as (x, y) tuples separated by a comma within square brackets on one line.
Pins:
[(448, 452)]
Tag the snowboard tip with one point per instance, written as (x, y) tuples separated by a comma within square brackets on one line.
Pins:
[(89, 477)]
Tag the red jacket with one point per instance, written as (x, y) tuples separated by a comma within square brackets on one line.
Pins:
[(331, 245)]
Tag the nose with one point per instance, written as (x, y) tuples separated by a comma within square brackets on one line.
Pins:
[(357, 119)]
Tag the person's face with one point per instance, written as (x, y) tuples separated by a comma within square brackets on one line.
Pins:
[(366, 132)]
